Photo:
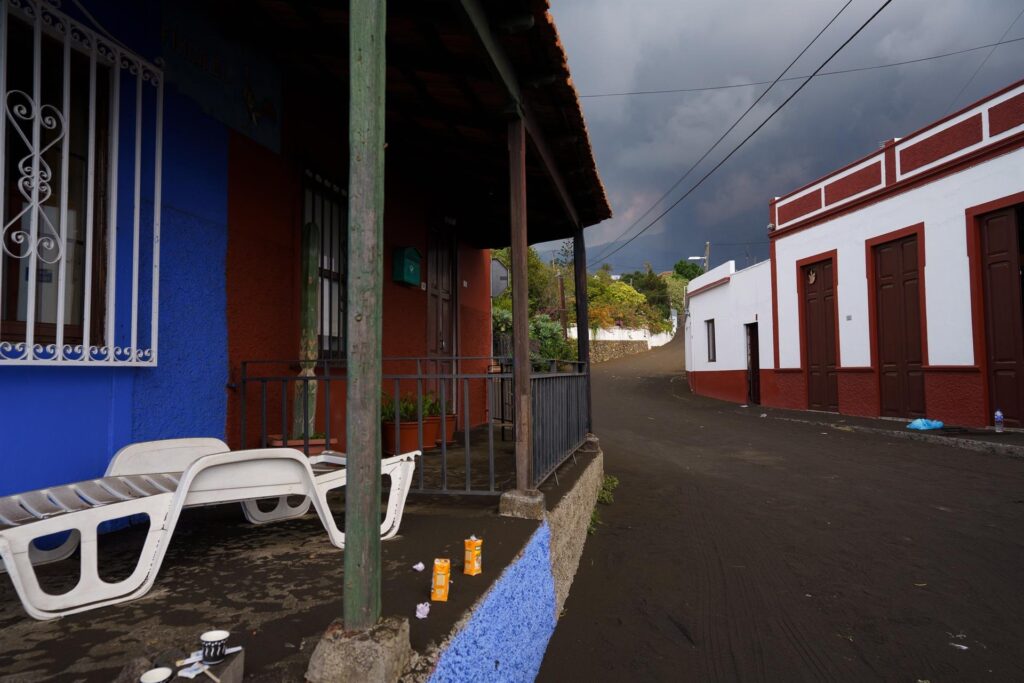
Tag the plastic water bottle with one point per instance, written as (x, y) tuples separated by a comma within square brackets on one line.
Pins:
[(999, 422)]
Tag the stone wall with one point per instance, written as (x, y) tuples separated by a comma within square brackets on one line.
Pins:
[(601, 351), (569, 521)]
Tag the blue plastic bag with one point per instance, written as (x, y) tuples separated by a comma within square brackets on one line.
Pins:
[(922, 424)]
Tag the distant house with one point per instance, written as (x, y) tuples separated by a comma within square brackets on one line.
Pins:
[(893, 286)]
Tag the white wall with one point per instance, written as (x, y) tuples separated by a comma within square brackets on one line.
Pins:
[(745, 299), (626, 334), (940, 205)]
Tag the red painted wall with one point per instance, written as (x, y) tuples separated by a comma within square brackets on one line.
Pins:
[(475, 322), (728, 385), (859, 392), (264, 218), (956, 397), (264, 214), (784, 389)]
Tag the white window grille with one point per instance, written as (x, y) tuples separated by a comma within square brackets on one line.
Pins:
[(79, 237)]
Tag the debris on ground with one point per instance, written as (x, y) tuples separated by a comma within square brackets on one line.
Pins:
[(419, 566), (422, 610), (959, 646)]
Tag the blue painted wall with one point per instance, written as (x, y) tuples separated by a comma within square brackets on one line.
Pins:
[(519, 609), (62, 424)]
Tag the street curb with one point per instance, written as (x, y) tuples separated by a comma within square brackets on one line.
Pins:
[(988, 447)]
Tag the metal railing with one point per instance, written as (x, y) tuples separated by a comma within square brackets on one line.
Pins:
[(458, 411), (559, 421)]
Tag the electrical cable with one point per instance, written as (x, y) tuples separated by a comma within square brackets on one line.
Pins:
[(737, 121), (798, 78), (749, 136), (983, 62)]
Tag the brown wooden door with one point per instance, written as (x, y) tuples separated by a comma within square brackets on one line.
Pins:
[(1004, 320), (820, 335), (441, 326), (898, 328), (440, 294)]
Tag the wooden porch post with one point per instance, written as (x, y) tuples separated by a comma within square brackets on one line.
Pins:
[(579, 262), (520, 301), (367, 24)]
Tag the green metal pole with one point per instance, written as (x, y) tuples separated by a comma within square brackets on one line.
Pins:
[(304, 404), (367, 24)]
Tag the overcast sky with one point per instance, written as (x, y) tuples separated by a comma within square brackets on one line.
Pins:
[(644, 143)]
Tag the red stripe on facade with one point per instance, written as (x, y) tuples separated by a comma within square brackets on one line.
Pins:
[(1006, 115), (727, 385), (954, 165), (799, 207), (942, 144), (716, 283), (855, 183)]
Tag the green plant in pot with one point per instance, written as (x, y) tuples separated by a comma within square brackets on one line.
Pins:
[(404, 436)]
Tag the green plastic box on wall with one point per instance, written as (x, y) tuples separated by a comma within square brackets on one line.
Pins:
[(406, 266)]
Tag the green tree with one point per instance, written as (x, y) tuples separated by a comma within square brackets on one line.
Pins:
[(541, 289), (652, 287), (687, 269), (676, 290)]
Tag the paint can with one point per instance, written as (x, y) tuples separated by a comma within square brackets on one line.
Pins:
[(474, 561), (439, 583)]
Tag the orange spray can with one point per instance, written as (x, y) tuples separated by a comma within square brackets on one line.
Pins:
[(474, 563), (439, 584)]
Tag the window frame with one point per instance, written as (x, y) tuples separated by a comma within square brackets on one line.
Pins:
[(709, 332)]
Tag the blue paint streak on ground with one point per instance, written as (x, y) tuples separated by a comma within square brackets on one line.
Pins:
[(505, 639)]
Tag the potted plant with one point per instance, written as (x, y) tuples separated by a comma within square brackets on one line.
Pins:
[(408, 425)]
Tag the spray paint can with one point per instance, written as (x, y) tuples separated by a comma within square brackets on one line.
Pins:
[(439, 583), (474, 560)]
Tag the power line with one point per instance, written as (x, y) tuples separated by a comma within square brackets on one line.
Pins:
[(736, 122), (752, 133), (823, 73), (983, 63)]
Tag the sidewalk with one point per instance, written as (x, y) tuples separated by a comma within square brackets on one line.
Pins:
[(1010, 442)]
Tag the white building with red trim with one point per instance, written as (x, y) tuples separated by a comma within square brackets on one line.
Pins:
[(894, 284)]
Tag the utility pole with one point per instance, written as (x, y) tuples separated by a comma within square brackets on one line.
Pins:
[(367, 25), (707, 256)]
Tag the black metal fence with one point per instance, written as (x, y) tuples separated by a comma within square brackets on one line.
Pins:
[(559, 425), (458, 411)]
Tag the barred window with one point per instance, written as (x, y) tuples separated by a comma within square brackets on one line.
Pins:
[(325, 205), (78, 237)]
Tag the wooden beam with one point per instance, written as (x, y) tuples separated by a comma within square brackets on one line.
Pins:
[(579, 263), (520, 301), (502, 66), (367, 25)]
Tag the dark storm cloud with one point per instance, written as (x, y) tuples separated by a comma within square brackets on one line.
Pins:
[(644, 143)]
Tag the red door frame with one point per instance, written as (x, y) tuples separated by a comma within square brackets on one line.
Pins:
[(833, 256), (869, 246), (973, 214)]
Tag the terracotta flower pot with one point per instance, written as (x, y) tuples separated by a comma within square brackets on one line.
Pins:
[(408, 435)]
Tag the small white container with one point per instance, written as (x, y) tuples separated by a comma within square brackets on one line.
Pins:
[(160, 675)]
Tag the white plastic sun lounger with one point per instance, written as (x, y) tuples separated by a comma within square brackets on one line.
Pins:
[(210, 474)]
